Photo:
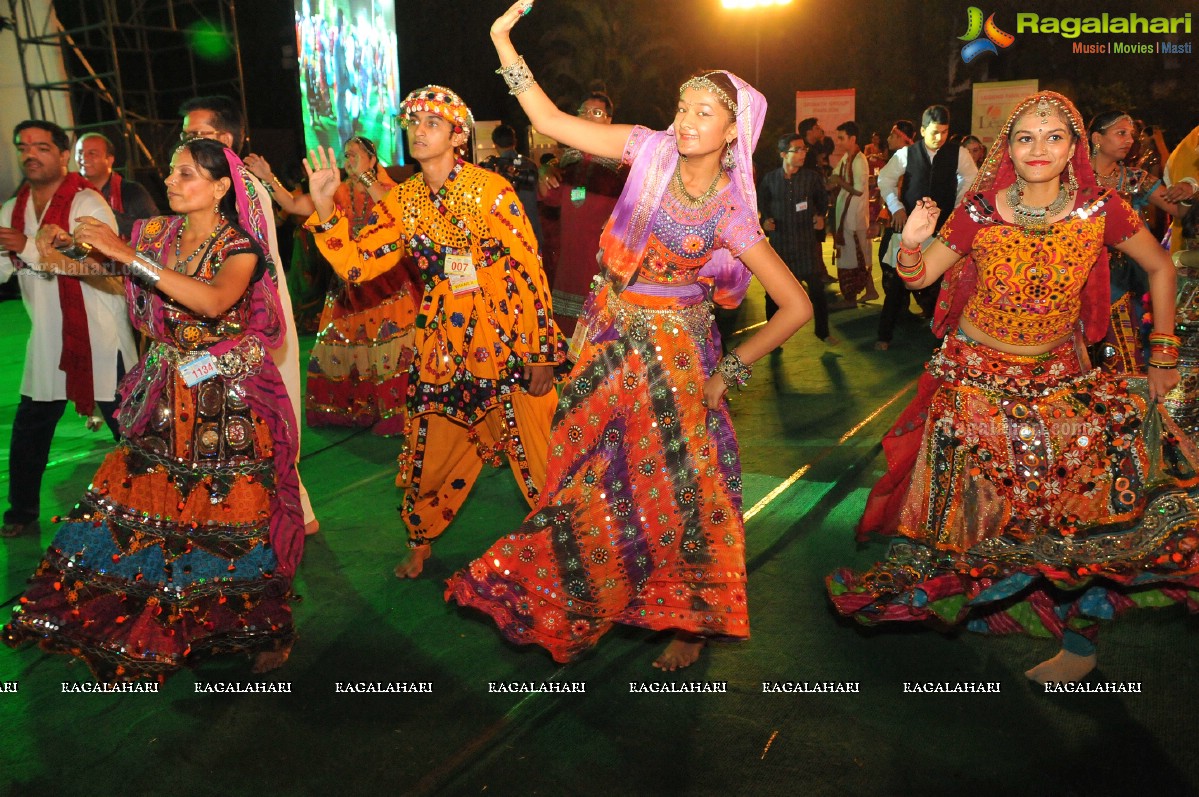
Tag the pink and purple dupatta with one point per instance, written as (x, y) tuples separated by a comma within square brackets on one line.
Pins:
[(626, 234), (263, 389)]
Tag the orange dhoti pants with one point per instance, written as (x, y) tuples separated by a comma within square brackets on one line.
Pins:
[(445, 457)]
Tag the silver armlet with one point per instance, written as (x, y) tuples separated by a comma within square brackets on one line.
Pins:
[(734, 372), (517, 76), (145, 269)]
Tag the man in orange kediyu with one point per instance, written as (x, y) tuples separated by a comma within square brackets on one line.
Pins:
[(481, 386)]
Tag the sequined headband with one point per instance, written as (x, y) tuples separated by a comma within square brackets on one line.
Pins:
[(1044, 105), (365, 143), (438, 101), (704, 83), (1121, 118)]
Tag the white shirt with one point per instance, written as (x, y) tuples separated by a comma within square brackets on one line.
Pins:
[(888, 178), (103, 299)]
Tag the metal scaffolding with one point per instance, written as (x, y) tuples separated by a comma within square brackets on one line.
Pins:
[(129, 65)]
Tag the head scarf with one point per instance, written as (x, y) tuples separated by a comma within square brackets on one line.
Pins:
[(997, 173), (439, 101), (249, 210), (627, 233)]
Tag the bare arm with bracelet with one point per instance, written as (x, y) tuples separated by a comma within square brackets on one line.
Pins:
[(605, 141)]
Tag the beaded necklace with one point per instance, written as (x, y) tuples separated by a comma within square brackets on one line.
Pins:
[(680, 191), (360, 207), (181, 265)]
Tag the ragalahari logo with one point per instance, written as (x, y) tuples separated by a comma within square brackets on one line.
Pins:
[(994, 41)]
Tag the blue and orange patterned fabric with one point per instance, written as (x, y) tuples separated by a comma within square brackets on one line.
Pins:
[(170, 556), (640, 520)]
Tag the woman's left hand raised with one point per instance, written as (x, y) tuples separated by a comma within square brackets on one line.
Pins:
[(507, 21)]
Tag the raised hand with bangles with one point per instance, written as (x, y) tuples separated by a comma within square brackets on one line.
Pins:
[(1025, 487), (649, 375)]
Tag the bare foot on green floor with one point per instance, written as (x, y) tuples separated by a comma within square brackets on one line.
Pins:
[(683, 651), (415, 563), (270, 660), (1065, 666)]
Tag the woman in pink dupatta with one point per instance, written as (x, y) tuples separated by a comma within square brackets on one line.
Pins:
[(640, 519), (187, 540)]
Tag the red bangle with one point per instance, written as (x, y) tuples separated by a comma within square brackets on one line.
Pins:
[(912, 273)]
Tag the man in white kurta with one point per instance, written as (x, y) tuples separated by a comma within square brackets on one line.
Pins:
[(852, 176), (43, 150)]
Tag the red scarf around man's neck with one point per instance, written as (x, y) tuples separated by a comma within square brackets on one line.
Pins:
[(76, 358), (114, 193)]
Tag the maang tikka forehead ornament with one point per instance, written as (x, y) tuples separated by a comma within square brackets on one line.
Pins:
[(704, 83), (1046, 104)]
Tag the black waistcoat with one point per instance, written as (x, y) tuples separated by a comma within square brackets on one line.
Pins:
[(937, 178)]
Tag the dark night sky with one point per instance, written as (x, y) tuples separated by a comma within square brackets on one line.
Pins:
[(898, 56)]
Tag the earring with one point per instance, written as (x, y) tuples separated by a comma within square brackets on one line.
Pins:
[(1071, 181), (1020, 185), (730, 159)]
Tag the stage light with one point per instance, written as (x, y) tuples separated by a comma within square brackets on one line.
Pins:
[(753, 3), (209, 41)]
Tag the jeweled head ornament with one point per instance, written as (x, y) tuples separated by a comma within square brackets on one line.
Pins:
[(439, 101), (365, 143), (704, 83), (997, 171), (1046, 104)]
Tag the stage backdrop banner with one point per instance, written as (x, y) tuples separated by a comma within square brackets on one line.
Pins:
[(992, 104), (831, 107)]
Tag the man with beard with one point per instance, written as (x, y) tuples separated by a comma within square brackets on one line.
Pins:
[(80, 342)]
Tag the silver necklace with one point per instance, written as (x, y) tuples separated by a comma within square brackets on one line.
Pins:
[(1036, 219), (686, 198)]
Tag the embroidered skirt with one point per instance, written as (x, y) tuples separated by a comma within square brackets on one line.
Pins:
[(640, 521), (1028, 495), (358, 370), (167, 558)]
